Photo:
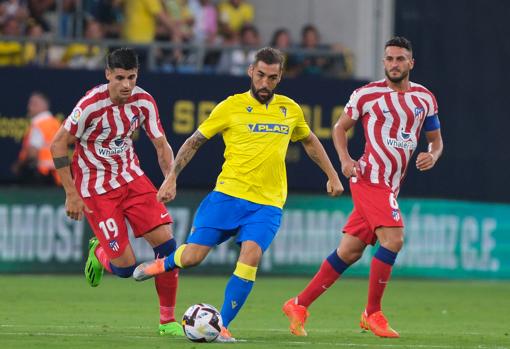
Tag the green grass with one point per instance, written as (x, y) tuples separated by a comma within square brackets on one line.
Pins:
[(63, 312)]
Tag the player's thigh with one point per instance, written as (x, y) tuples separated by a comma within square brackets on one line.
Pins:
[(193, 254), (260, 226), (377, 205), (142, 209), (351, 248), (108, 224), (206, 236), (357, 226), (216, 220), (220, 211), (159, 235)]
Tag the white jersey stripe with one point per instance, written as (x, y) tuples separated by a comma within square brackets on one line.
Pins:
[(377, 148), (402, 118), (134, 166), (385, 134), (121, 129), (85, 178), (374, 172), (114, 164), (152, 121)]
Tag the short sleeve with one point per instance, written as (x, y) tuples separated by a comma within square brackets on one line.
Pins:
[(217, 121), (76, 122), (151, 122), (433, 108), (302, 130), (352, 108)]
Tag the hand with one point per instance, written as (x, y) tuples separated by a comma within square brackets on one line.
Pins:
[(350, 168), (168, 189), (75, 206), (334, 186), (425, 161)]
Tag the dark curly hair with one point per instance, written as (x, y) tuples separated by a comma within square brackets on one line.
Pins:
[(400, 41)]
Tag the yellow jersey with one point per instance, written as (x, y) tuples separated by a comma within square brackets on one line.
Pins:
[(140, 20), (256, 139), (235, 17)]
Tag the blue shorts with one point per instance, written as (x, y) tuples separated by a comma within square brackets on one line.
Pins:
[(221, 216)]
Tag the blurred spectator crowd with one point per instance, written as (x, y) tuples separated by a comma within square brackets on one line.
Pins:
[(173, 35)]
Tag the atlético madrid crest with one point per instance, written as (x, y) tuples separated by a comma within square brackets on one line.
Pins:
[(114, 245), (135, 122)]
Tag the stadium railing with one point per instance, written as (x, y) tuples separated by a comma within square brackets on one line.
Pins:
[(339, 63)]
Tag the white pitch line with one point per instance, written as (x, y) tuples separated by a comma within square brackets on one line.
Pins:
[(337, 344), (317, 330), (53, 334)]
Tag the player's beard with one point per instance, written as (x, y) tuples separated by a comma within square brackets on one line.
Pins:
[(397, 79), (258, 97)]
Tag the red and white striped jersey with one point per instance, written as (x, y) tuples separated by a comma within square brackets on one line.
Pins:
[(392, 122), (104, 157)]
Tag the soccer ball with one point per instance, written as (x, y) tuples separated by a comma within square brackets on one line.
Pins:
[(202, 323)]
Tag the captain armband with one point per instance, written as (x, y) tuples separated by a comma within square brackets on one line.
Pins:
[(431, 123), (61, 162)]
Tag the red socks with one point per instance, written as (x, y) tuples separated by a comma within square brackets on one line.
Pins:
[(166, 286), (325, 277), (380, 272)]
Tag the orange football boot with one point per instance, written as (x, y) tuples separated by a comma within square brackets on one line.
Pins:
[(225, 336), (378, 324), (363, 324), (297, 315), (149, 269)]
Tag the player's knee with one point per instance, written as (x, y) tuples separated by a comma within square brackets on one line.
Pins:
[(251, 253), (349, 256), (123, 272), (352, 257), (393, 243)]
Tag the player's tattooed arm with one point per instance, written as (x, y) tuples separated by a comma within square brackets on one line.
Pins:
[(187, 151)]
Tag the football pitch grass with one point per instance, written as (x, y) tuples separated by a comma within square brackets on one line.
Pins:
[(64, 312)]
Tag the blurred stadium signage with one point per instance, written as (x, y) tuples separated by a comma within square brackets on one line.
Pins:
[(444, 239)]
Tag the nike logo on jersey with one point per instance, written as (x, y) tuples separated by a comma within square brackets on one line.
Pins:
[(382, 282), (325, 287), (385, 111), (163, 215)]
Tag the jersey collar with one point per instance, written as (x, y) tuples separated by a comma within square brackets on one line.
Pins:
[(255, 101)]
